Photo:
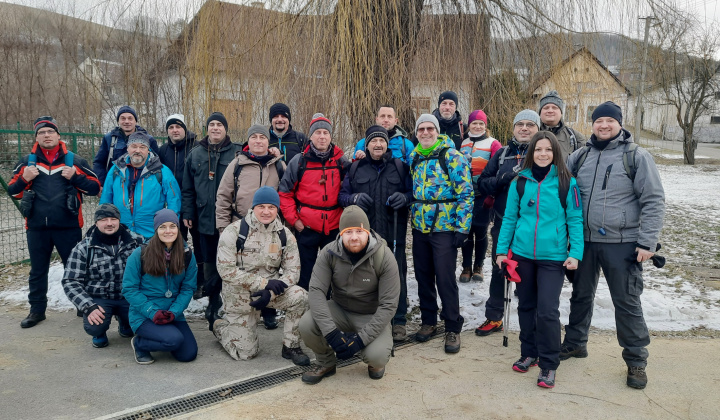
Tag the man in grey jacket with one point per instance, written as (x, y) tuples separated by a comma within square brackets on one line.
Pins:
[(365, 287), (551, 111), (623, 209)]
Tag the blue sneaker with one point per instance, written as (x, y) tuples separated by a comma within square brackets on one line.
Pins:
[(142, 357), (125, 331), (100, 341)]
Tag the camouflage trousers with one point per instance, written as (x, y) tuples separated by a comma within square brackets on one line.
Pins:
[(236, 329)]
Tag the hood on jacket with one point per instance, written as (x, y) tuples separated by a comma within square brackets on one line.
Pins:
[(623, 137), (337, 153), (205, 143), (274, 226), (152, 164), (374, 242), (117, 131), (125, 235), (399, 132)]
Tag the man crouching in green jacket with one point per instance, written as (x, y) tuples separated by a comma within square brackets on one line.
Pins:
[(365, 288)]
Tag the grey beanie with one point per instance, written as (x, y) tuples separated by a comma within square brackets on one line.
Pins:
[(163, 216), (139, 137), (319, 121), (529, 115), (258, 129), (427, 118), (552, 97)]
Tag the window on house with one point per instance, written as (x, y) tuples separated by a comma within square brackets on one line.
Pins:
[(421, 105), (570, 113), (589, 112), (715, 119)]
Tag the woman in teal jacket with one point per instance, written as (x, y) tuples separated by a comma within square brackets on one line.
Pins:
[(159, 281), (538, 228)]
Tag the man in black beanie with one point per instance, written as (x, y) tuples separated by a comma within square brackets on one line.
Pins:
[(451, 122), (287, 140)]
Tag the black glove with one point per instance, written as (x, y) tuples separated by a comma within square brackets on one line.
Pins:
[(276, 286), (262, 301), (363, 201), (337, 340), (459, 239), (355, 344), (397, 201), (506, 178)]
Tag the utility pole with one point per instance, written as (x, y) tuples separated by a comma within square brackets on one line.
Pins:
[(638, 105)]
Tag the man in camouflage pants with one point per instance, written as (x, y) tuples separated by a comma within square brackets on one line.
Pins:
[(252, 281)]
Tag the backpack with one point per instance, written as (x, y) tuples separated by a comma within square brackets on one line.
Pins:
[(69, 159), (239, 168), (243, 234), (441, 156), (573, 139), (302, 167), (188, 258), (158, 174), (628, 160), (111, 151), (562, 191)]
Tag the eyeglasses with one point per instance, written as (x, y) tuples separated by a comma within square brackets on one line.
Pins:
[(44, 132), (424, 129), (527, 124)]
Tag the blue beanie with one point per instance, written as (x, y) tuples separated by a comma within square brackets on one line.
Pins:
[(608, 109), (126, 109), (163, 216), (266, 195)]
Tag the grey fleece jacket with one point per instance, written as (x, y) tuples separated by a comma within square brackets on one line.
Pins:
[(362, 288), (627, 211)]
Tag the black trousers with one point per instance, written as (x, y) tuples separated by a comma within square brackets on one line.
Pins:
[(309, 243), (478, 242), (495, 305), (40, 244)]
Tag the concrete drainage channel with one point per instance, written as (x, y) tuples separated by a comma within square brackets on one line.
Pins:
[(183, 405)]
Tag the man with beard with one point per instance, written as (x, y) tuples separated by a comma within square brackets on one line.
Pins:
[(399, 144), (287, 140), (451, 123)]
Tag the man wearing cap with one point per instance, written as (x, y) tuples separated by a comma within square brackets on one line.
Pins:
[(381, 185), (309, 193), (551, 111), (94, 272), (139, 185), (114, 144), (494, 181), (204, 169), (252, 280), (623, 208), (287, 140), (363, 275), (49, 182), (441, 218), (400, 144), (449, 119)]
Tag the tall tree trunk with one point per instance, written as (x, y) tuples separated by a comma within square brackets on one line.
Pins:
[(689, 146)]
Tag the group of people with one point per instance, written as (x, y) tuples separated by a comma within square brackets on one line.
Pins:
[(284, 221)]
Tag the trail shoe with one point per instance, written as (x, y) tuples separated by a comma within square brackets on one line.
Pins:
[(142, 357), (477, 274), (546, 379), (270, 322), (636, 377), (32, 320), (399, 332), (125, 331), (488, 327), (296, 355), (376, 373), (452, 342), (569, 351), (100, 341), (426, 331), (198, 293), (317, 374), (465, 275), (524, 364)]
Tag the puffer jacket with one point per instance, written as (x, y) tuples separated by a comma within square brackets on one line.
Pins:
[(173, 155), (400, 145), (291, 144), (100, 163), (491, 181), (431, 185), (542, 231), (626, 210), (363, 288), (454, 128), (103, 279), (565, 136)]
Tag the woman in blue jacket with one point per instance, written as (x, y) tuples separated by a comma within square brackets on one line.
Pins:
[(159, 282), (538, 228)]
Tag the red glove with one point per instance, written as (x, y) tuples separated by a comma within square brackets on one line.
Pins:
[(163, 317)]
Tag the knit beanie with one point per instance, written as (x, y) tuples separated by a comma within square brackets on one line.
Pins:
[(319, 121), (164, 216), (427, 118), (478, 114), (448, 94), (608, 109), (552, 97), (280, 109), (46, 121), (178, 119), (354, 217), (126, 109), (106, 210), (258, 129), (266, 195), (376, 131), (217, 116), (529, 115), (139, 137)]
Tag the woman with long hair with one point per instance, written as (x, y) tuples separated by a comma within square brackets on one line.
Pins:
[(159, 281), (538, 227)]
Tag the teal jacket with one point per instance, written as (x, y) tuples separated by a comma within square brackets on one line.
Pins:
[(146, 293), (541, 230)]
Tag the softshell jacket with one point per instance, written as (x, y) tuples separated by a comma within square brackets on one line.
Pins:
[(100, 163), (431, 184), (103, 278), (174, 155), (536, 225), (252, 176), (290, 144), (454, 128), (313, 200), (478, 151), (564, 135), (400, 145), (146, 293), (362, 288), (627, 210), (149, 195), (487, 183), (199, 191), (50, 187)]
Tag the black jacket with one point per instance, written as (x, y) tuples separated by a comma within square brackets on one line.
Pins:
[(173, 155), (292, 143), (453, 128), (492, 182)]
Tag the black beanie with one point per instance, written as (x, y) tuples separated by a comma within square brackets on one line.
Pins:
[(280, 109), (376, 131), (608, 109), (448, 94), (46, 121), (217, 116)]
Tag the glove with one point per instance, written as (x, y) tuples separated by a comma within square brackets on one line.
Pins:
[(337, 340), (261, 301), (363, 201), (355, 344), (163, 317), (506, 178), (276, 286), (459, 239), (397, 201)]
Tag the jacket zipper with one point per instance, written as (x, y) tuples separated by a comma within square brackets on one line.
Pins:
[(592, 190), (537, 220)]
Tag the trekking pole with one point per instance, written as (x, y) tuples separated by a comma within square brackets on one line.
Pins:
[(508, 291), (392, 321)]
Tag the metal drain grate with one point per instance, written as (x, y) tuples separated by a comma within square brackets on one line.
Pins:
[(206, 399)]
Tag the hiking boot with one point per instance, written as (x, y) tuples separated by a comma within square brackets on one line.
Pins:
[(524, 364), (296, 355), (546, 379), (488, 327), (100, 341), (426, 331), (569, 351), (477, 274), (452, 342), (270, 322), (32, 320), (198, 294), (142, 357), (125, 331), (465, 275), (636, 377), (399, 332), (317, 374), (376, 373)]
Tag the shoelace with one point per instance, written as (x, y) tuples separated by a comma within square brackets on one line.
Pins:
[(637, 369), (451, 336), (545, 373)]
